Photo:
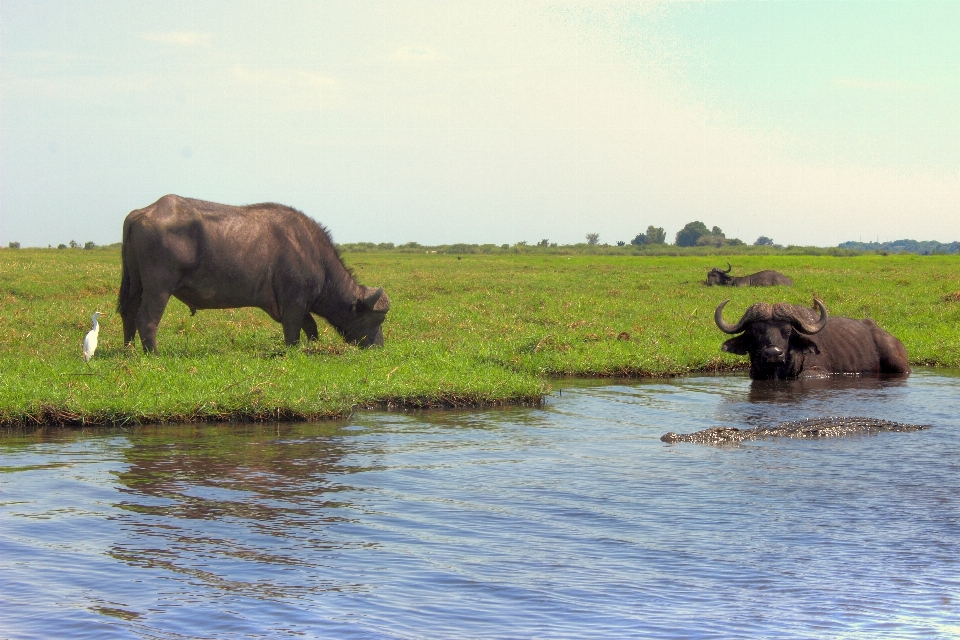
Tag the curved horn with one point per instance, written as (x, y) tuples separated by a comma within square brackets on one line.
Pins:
[(809, 329), (728, 268), (371, 300), (724, 326)]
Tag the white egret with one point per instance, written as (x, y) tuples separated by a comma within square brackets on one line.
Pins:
[(90, 340)]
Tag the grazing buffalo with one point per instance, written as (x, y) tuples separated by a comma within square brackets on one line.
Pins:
[(760, 279), (787, 341), (215, 256)]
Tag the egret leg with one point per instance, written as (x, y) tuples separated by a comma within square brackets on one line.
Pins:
[(152, 306)]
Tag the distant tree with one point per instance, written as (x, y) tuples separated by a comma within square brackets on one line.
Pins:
[(90, 245), (620, 243), (593, 238), (763, 241), (691, 232), (656, 235), (14, 245), (73, 244), (61, 246), (716, 231), (543, 243), (522, 243)]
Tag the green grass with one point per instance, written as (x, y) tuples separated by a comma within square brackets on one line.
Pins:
[(462, 331)]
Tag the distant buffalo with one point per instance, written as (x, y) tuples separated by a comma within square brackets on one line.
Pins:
[(760, 279), (215, 256), (787, 341)]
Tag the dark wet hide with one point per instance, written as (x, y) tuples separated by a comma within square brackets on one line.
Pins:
[(828, 427)]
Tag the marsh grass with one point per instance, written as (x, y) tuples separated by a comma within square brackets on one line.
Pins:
[(469, 330)]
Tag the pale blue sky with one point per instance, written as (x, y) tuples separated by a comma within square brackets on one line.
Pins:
[(441, 122)]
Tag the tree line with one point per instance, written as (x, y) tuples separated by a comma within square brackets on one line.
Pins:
[(693, 234), (73, 245)]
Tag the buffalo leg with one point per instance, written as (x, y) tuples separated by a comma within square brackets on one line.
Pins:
[(129, 327), (128, 311), (152, 305), (310, 327), (292, 323)]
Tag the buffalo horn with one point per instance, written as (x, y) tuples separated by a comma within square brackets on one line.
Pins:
[(724, 326), (371, 300), (816, 327), (728, 268)]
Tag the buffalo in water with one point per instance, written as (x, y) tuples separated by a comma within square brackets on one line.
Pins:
[(789, 341), (215, 256), (760, 279)]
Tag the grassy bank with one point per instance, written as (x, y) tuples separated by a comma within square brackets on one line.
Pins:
[(462, 330)]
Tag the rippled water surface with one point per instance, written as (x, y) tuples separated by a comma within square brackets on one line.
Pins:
[(572, 520)]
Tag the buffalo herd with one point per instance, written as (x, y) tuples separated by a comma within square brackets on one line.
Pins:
[(215, 256)]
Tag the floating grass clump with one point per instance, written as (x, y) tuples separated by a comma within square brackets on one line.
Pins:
[(467, 330)]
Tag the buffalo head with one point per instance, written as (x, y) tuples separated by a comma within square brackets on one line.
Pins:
[(719, 277), (363, 326), (774, 336)]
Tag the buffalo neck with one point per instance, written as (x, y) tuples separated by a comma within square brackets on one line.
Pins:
[(338, 295)]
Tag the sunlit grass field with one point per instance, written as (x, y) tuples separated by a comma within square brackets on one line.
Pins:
[(462, 331)]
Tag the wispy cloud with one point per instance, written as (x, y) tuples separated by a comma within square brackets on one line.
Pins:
[(179, 38), (415, 54)]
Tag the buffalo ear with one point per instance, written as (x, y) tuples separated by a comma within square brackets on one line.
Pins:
[(375, 300), (740, 345), (800, 343)]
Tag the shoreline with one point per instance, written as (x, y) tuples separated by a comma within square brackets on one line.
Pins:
[(49, 415), (52, 416)]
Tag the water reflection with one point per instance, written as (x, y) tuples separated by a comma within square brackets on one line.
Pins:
[(802, 389), (261, 472), (566, 520), (272, 489)]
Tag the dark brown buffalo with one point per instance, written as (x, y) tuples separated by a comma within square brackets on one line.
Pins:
[(787, 341), (760, 279), (215, 256)]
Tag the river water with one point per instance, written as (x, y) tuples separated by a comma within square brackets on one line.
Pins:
[(571, 520)]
